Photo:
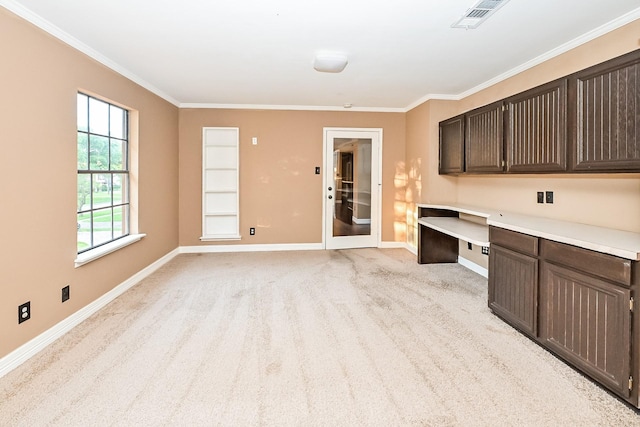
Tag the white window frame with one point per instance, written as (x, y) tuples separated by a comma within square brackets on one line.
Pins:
[(132, 170)]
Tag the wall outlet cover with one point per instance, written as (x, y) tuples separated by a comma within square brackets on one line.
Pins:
[(24, 312)]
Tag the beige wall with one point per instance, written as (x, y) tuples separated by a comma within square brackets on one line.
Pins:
[(605, 200), (40, 77), (280, 194)]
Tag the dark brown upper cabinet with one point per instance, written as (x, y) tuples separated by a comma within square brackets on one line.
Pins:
[(484, 147), (586, 122), (536, 129), (606, 120), (452, 146)]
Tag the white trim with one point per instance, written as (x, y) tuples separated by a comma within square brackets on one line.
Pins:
[(292, 107), (250, 248), (432, 96), (103, 250), (473, 267), (32, 347), (578, 41), (220, 238), (376, 180), (360, 221), (395, 245), (65, 37)]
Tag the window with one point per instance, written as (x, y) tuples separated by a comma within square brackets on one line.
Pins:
[(103, 173)]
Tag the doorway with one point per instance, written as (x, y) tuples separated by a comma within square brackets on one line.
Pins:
[(352, 188)]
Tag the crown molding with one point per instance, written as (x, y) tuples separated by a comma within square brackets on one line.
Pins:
[(55, 31), (578, 41), (291, 107), (65, 37)]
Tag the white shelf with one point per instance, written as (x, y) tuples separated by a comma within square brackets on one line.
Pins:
[(468, 231)]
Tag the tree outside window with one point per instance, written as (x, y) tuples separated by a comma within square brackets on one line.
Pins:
[(103, 173)]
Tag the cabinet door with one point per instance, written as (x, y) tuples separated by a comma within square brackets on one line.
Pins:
[(587, 322), (606, 115), (483, 139), (513, 288), (452, 146), (536, 135)]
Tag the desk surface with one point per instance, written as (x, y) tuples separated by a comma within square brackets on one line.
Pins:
[(468, 231), (624, 244)]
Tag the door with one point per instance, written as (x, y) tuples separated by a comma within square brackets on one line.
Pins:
[(352, 188)]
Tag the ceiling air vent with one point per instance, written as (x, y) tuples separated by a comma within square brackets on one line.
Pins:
[(478, 13)]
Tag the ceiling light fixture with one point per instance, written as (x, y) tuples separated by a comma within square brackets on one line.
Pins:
[(478, 13), (330, 62)]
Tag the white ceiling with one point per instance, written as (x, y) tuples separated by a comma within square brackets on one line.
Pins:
[(260, 52)]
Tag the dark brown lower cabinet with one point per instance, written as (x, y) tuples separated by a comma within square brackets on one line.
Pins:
[(513, 288), (586, 320), (575, 302)]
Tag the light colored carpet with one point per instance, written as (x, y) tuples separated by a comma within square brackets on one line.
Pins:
[(352, 337)]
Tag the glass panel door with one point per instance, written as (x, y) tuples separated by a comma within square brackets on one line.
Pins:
[(351, 191)]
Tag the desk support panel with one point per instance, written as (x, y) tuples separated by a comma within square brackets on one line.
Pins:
[(434, 246)]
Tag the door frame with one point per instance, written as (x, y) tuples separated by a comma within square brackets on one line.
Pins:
[(326, 233)]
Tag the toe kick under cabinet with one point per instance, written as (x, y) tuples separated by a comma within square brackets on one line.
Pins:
[(575, 302)]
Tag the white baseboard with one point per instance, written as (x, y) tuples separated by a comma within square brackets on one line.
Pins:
[(250, 248), (31, 348), (473, 267), (396, 245)]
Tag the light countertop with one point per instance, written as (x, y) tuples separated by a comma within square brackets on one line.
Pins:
[(624, 244)]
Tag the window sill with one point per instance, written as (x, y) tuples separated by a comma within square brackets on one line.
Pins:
[(87, 257)]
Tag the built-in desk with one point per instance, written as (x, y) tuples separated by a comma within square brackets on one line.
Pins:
[(440, 227)]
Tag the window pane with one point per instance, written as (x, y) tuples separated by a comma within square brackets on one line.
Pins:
[(116, 122), (83, 151), (120, 189), (103, 178), (84, 231), (102, 226), (83, 112), (99, 154), (117, 154), (120, 221), (98, 117), (84, 192), (101, 190)]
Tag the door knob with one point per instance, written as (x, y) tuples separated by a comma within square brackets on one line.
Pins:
[(330, 196), (330, 188)]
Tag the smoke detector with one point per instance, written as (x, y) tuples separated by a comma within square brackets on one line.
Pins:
[(478, 13)]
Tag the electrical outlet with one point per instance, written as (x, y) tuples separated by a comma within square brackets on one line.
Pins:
[(549, 196), (485, 250), (65, 293), (469, 246), (317, 170), (252, 231), (540, 196), (24, 312)]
